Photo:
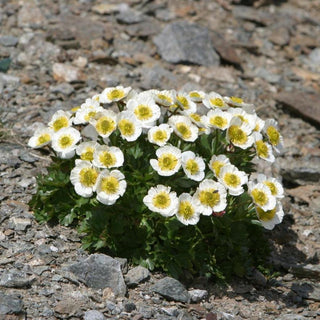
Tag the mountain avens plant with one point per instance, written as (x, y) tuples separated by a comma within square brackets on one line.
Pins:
[(163, 178)]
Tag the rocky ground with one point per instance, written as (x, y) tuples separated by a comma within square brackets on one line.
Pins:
[(55, 54)]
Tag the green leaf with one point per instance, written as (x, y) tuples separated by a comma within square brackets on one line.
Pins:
[(5, 64)]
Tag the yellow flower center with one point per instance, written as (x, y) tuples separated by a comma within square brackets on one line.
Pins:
[(161, 200), (237, 135), (143, 112), (88, 177), (231, 180), (126, 127), (108, 159), (218, 102), (262, 149), (160, 136), (216, 167), (74, 109), (218, 121), (209, 197), (87, 154), (90, 115), (164, 98), (115, 94), (273, 135), (183, 102), (109, 185), (194, 94), (196, 117), (186, 210), (266, 215), (167, 162), (105, 125), (192, 166), (60, 123), (184, 130), (272, 187), (65, 141), (236, 100), (259, 197), (44, 138)]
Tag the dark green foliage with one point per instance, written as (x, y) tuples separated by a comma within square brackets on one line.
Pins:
[(217, 246)]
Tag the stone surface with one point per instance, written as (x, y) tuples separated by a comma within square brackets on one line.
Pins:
[(183, 42), (8, 41), (10, 304), (196, 295), (63, 72), (171, 289), (93, 315), (100, 271), (304, 104), (136, 275)]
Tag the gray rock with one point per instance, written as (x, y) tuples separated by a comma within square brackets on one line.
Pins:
[(307, 290), (171, 289), (185, 42), (130, 16), (8, 79), (19, 224), (197, 295), (314, 56), (64, 88), (93, 315), (291, 317), (8, 41), (157, 77), (10, 304), (267, 75), (30, 15), (165, 14), (136, 276), (129, 306), (308, 271), (15, 279), (100, 271), (185, 315)]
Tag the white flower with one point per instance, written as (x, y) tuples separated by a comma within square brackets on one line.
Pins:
[(188, 212), (218, 162), (246, 118), (64, 142), (84, 178), (61, 119), (41, 137), (184, 128), (261, 195), (145, 110), (239, 134), (168, 162), (193, 166), (259, 124), (162, 200), (86, 150), (130, 129), (272, 132), (271, 217), (217, 119), (111, 185), (105, 122), (214, 100), (160, 135), (263, 149), (165, 97), (233, 179), (184, 102), (210, 196), (196, 96), (273, 184), (87, 111), (238, 102), (107, 157), (113, 94)]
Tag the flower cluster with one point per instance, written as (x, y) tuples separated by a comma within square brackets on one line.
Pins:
[(180, 127)]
